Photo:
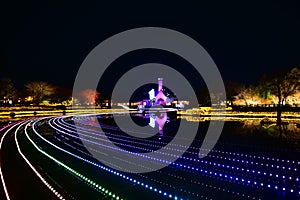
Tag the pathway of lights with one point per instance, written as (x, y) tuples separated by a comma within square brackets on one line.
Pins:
[(241, 169), (138, 182), (225, 176), (55, 192), (259, 172), (243, 156), (163, 183), (202, 183), (79, 175), (183, 190), (61, 119), (241, 180), (196, 148)]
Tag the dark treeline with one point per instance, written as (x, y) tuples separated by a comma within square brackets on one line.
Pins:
[(34, 92)]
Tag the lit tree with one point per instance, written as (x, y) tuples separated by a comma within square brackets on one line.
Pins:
[(7, 89), (250, 95), (40, 90), (90, 96), (282, 84)]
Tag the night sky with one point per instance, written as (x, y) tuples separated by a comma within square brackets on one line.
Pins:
[(47, 41)]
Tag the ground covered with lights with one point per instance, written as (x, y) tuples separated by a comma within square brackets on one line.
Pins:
[(44, 158)]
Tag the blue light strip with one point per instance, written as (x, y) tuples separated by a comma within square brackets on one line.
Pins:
[(241, 180), (147, 186), (217, 151)]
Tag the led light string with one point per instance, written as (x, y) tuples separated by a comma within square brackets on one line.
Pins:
[(147, 186), (220, 165), (218, 151), (213, 173), (258, 172), (230, 177), (1, 143), (214, 187), (50, 187), (87, 180)]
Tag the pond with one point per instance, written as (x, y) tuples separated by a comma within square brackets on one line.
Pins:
[(251, 160), (242, 135)]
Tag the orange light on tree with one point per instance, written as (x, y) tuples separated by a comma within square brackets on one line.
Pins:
[(90, 96)]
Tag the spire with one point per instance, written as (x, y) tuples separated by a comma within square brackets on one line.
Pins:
[(160, 84)]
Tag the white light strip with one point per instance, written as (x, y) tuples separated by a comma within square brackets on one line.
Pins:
[(32, 167), (1, 174), (94, 164), (87, 180)]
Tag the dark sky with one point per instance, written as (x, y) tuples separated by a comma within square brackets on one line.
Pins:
[(47, 41)]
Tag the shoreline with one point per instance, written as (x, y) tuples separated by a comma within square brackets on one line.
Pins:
[(201, 114)]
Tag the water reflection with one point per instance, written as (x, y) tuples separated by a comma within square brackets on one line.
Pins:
[(255, 132), (158, 120), (289, 128), (284, 130)]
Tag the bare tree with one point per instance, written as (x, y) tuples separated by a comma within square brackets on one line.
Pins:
[(282, 84), (90, 96), (39, 90)]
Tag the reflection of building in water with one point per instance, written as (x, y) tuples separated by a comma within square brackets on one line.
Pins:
[(159, 120), (152, 121), (288, 130)]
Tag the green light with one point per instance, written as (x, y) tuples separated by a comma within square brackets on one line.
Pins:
[(65, 166)]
